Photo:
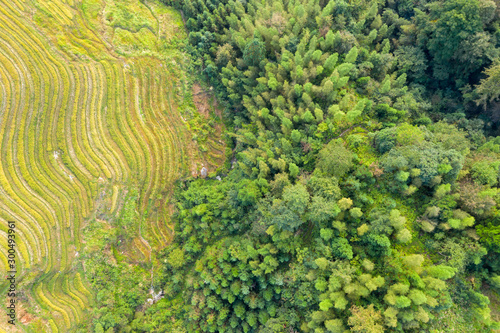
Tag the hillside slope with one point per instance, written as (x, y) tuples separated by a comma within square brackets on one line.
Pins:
[(91, 95)]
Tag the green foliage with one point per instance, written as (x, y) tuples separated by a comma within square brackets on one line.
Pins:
[(352, 55), (176, 258), (427, 159), (457, 22), (495, 281), (485, 173), (316, 228), (322, 210), (334, 159), (488, 90), (404, 236), (441, 272), (289, 213), (113, 311), (345, 203), (341, 248), (366, 320), (254, 53), (293, 169)]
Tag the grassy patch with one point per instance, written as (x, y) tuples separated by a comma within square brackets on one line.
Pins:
[(130, 15)]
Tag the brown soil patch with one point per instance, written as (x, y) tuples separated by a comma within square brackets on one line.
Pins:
[(207, 106), (201, 100), (25, 317), (194, 169), (205, 101)]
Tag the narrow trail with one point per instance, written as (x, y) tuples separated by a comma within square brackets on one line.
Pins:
[(348, 130), (150, 251)]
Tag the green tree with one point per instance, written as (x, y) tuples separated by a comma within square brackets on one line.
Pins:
[(412, 61), (176, 258), (441, 272), (322, 210), (289, 213), (334, 159), (488, 89), (341, 248), (456, 22), (98, 328), (334, 325), (365, 320), (254, 52), (485, 173)]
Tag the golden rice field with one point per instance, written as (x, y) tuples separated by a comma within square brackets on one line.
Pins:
[(90, 100)]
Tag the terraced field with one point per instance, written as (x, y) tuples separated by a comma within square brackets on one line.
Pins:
[(90, 102)]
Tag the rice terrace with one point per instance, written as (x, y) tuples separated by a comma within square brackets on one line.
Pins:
[(97, 120), (250, 166)]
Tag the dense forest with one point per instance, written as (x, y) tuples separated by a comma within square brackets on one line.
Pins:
[(361, 191)]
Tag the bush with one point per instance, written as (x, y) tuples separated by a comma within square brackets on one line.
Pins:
[(334, 159)]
